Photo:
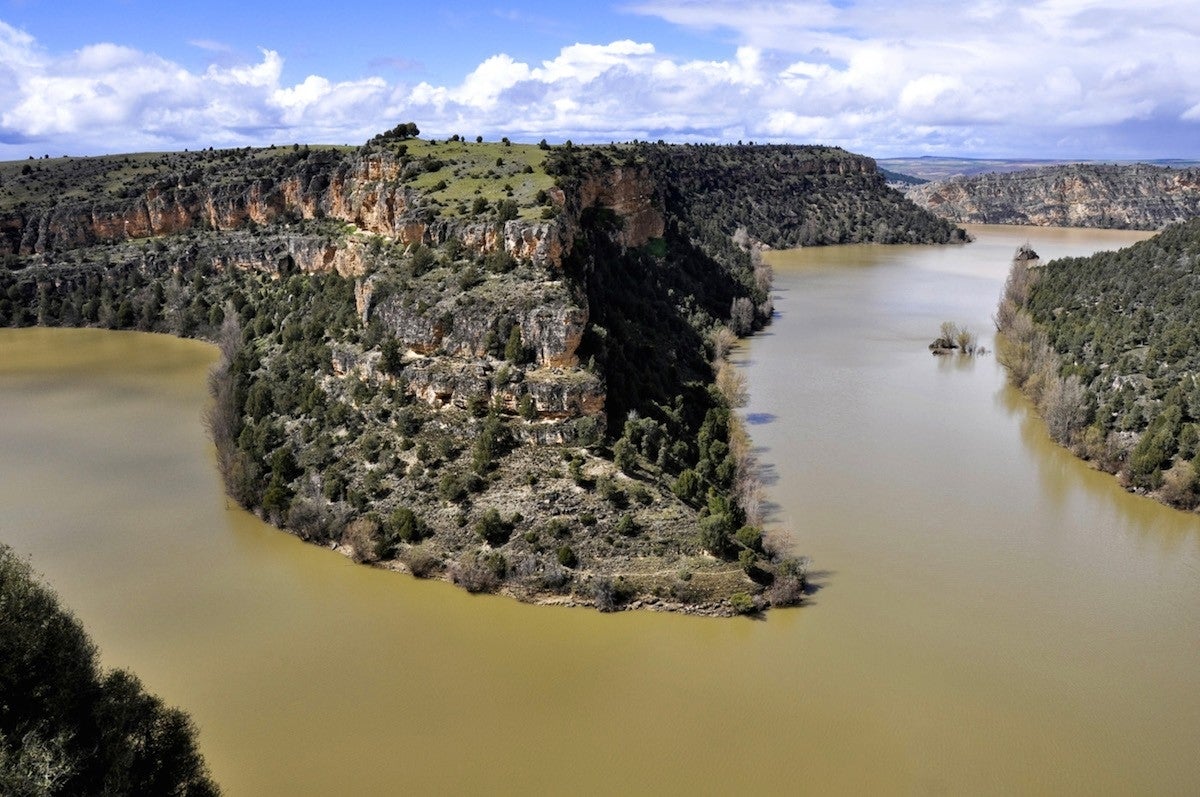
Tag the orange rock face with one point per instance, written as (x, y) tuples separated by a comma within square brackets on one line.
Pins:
[(630, 193)]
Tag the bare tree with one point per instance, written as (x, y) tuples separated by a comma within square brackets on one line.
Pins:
[(722, 338), (732, 384), (1063, 407), (965, 340)]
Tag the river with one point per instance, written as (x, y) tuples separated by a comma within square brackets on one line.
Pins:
[(993, 617)]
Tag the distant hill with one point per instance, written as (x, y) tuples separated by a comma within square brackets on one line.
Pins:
[(931, 168), (1137, 196), (899, 180)]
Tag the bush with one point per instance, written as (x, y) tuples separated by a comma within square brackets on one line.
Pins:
[(514, 350), (714, 534), (749, 537), (403, 524), (476, 573), (362, 535), (452, 487), (421, 561), (687, 486), (493, 529), (311, 520), (527, 407), (507, 210), (609, 594), (610, 491), (742, 603), (625, 455), (627, 526), (785, 591), (392, 361), (566, 557)]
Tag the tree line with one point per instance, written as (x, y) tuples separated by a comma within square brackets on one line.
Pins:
[(1106, 345)]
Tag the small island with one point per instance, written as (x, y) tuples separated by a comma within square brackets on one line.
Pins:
[(953, 338)]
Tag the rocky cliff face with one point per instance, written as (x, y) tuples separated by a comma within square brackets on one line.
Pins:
[(632, 194), (455, 334), (1125, 197), (499, 314), (366, 193)]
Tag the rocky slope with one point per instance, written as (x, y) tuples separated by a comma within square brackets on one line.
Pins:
[(496, 363), (1124, 197)]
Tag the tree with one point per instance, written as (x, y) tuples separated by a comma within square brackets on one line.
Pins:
[(965, 340), (625, 455), (1064, 407), (68, 728), (392, 361), (514, 350), (492, 528), (507, 210), (741, 316)]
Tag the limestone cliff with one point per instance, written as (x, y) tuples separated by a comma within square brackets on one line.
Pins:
[(1124, 197)]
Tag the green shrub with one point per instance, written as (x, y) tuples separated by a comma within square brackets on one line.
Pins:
[(492, 528), (404, 525), (742, 603), (452, 487), (566, 557), (749, 537)]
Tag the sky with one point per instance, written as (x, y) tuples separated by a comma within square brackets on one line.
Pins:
[(1058, 79)]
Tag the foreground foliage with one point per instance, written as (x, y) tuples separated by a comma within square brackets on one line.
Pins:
[(66, 726)]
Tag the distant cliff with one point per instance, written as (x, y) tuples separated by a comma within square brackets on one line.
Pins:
[(502, 364), (1138, 197)]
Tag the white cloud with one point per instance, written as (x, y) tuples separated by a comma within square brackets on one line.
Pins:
[(994, 77), (105, 97)]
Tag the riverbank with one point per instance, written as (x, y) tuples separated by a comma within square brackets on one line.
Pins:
[(1096, 345)]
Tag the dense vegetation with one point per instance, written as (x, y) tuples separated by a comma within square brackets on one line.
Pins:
[(791, 196), (1109, 347), (66, 726), (430, 412)]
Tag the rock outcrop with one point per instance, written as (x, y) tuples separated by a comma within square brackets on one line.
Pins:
[(365, 192), (1122, 197)]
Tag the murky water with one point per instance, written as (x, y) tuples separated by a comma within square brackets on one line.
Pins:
[(994, 618)]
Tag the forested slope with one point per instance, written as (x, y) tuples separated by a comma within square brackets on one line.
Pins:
[(1109, 345), (66, 726)]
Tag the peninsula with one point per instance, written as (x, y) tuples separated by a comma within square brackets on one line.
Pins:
[(495, 363)]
